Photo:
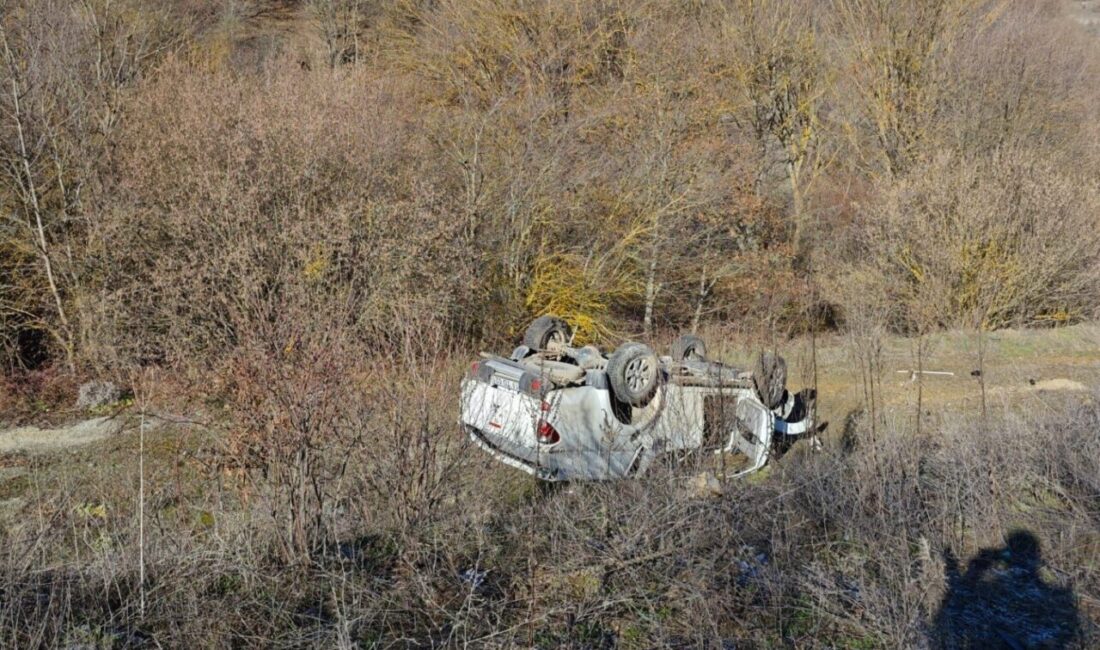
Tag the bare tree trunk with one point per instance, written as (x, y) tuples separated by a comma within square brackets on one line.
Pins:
[(981, 374), (700, 298), (920, 379), (651, 289), (143, 397), (800, 247)]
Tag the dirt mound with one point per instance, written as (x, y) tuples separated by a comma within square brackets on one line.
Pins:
[(1060, 383)]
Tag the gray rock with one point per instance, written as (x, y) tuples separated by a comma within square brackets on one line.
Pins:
[(94, 394)]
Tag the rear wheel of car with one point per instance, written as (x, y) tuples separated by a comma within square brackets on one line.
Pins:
[(545, 330), (633, 373), (769, 377), (688, 347)]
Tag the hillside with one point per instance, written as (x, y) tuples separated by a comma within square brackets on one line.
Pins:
[(261, 243), (76, 505)]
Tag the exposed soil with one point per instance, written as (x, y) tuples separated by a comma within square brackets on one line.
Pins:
[(34, 439)]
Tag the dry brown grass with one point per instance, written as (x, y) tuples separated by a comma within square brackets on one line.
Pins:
[(428, 543)]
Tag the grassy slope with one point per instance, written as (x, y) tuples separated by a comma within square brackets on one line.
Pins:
[(210, 510), (1050, 357), (1012, 358)]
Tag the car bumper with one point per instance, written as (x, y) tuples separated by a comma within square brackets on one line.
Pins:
[(510, 455)]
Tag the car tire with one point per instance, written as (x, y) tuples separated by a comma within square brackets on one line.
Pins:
[(545, 330), (633, 372), (687, 347), (769, 377)]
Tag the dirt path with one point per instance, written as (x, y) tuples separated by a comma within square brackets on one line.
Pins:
[(1021, 367), (39, 440)]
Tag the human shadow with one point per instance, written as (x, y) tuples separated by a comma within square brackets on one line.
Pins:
[(1002, 601)]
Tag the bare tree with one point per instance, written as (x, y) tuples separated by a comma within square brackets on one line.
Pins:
[(64, 72), (783, 75), (900, 50), (342, 24), (32, 162)]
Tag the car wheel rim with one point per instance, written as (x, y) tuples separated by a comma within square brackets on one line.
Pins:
[(638, 373)]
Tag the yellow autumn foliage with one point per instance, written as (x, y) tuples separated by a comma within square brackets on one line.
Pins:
[(582, 293), (316, 266)]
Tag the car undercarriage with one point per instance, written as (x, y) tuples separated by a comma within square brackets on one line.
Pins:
[(564, 413)]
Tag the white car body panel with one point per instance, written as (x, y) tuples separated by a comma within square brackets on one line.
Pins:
[(595, 444)]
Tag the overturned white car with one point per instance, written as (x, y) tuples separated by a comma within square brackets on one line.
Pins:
[(563, 413)]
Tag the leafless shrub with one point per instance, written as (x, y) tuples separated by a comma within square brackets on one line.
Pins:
[(982, 242), (411, 468), (245, 224), (840, 547), (291, 393)]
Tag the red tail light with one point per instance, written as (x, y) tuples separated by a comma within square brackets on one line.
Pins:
[(474, 368), (547, 434)]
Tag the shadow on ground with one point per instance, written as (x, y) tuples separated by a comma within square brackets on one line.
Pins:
[(1002, 601)]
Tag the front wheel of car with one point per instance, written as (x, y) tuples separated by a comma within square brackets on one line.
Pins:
[(633, 373)]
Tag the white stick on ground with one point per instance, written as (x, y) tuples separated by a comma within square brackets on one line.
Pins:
[(913, 373)]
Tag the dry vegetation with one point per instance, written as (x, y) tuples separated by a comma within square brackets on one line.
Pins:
[(293, 222)]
